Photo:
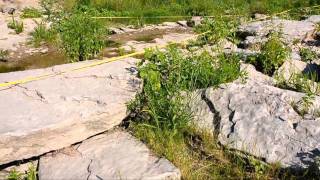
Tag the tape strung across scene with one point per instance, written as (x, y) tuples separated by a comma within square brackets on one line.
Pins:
[(108, 60)]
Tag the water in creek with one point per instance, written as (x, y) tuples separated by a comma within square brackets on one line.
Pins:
[(34, 62), (54, 57)]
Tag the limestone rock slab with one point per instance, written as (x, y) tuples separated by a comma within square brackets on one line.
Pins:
[(291, 29), (115, 155), (259, 119), (49, 114)]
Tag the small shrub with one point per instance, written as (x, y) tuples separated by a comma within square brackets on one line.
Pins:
[(82, 37), (168, 74), (273, 54), (307, 55), (31, 13), (216, 30), (43, 34), (16, 26)]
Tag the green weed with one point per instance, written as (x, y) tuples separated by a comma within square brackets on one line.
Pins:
[(305, 83), (43, 34), (16, 25), (213, 31), (307, 55), (30, 174), (273, 54), (82, 37), (31, 13)]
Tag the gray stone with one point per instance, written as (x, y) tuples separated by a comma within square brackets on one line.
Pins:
[(115, 155), (183, 23), (314, 19), (116, 31), (259, 119), (195, 21), (171, 24), (52, 113), (291, 29)]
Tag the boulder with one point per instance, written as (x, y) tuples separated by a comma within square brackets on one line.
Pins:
[(259, 119), (291, 30), (115, 155), (183, 23), (314, 19), (293, 67), (58, 111)]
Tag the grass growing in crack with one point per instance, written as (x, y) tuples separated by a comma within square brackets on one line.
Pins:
[(162, 118), (305, 83), (30, 174), (307, 55), (273, 54)]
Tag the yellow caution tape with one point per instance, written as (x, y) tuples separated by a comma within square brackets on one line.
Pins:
[(44, 76)]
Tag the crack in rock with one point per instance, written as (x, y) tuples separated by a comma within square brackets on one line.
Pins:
[(36, 92), (89, 170), (216, 114)]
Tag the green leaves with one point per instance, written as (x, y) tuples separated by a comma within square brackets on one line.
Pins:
[(82, 37), (273, 54)]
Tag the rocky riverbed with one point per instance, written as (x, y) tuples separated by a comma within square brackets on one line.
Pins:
[(69, 124)]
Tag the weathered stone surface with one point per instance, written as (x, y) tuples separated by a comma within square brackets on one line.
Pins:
[(254, 75), (183, 23), (21, 168), (116, 155), (291, 29), (158, 42), (314, 19), (56, 112), (259, 119), (292, 67)]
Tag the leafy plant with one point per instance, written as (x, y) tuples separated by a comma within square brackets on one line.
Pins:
[(215, 30), (30, 174), (31, 13), (15, 175), (273, 54), (82, 37), (307, 55)]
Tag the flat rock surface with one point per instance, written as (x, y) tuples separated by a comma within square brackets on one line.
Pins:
[(115, 155), (259, 119), (49, 114), (291, 30)]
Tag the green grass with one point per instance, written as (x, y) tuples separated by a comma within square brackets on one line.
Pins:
[(42, 34), (193, 7), (31, 13), (162, 119), (273, 54), (30, 174), (307, 55), (16, 26)]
